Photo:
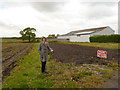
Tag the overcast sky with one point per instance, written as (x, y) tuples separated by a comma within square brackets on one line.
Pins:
[(56, 17)]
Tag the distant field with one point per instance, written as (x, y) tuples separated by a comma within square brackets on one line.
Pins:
[(11, 40), (92, 44), (100, 45)]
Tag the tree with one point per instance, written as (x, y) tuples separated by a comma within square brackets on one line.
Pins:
[(27, 34), (57, 35), (51, 36)]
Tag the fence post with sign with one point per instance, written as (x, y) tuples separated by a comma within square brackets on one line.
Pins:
[(101, 54)]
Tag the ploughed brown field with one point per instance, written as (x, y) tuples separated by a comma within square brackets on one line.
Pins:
[(10, 55), (62, 52), (78, 54)]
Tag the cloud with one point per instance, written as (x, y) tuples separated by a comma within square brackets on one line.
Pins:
[(47, 6), (57, 17), (9, 26), (101, 10)]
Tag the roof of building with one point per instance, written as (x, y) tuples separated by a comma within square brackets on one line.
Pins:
[(68, 34), (85, 31), (88, 30)]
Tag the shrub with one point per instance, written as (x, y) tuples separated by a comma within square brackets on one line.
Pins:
[(114, 38)]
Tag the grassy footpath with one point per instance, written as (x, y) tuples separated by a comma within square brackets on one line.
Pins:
[(92, 44), (60, 75)]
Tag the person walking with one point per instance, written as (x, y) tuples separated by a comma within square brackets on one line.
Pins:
[(43, 50)]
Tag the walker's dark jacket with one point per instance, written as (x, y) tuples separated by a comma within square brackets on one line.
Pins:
[(43, 50)]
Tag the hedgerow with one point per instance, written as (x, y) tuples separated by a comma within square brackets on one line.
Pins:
[(114, 38)]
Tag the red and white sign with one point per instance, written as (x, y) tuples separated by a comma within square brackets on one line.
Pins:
[(101, 53)]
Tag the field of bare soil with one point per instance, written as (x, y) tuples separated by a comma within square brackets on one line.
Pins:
[(10, 55), (83, 70), (81, 54)]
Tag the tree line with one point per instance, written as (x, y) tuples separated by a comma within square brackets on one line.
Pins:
[(29, 34)]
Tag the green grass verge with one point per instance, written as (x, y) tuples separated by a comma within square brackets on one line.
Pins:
[(60, 75), (92, 44)]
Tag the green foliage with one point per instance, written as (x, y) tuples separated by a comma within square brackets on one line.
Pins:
[(27, 34), (10, 37), (51, 36), (81, 74), (57, 35), (113, 65), (107, 76), (114, 38)]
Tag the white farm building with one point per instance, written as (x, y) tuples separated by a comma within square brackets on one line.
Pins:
[(83, 35)]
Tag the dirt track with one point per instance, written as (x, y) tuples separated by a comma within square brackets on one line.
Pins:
[(81, 54)]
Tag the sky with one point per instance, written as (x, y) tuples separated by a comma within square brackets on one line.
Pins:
[(56, 17)]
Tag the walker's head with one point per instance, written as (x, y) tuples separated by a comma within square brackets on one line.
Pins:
[(44, 39)]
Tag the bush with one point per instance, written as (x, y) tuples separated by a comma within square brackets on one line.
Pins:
[(114, 38)]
